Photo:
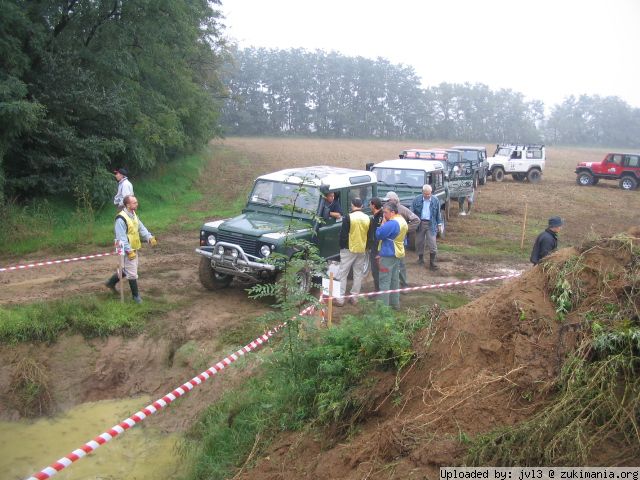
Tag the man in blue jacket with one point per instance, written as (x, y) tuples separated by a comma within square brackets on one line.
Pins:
[(427, 207), (391, 235)]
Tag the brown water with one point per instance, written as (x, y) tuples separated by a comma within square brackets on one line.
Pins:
[(138, 454)]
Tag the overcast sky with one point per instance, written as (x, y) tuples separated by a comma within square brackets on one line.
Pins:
[(546, 49)]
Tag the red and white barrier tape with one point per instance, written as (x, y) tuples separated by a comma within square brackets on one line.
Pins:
[(159, 404), (56, 262), (431, 286)]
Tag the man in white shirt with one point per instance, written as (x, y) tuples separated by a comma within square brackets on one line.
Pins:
[(124, 188)]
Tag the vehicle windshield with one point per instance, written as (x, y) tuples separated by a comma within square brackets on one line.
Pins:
[(453, 156), (460, 169), (471, 155), (281, 194), (503, 152), (400, 176)]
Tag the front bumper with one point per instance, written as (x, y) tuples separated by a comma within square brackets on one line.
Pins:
[(243, 265)]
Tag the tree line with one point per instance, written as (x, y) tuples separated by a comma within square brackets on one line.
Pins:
[(89, 85), (298, 92)]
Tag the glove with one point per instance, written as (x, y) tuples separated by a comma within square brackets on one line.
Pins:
[(131, 254), (153, 242)]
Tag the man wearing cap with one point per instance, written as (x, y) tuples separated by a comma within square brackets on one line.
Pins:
[(413, 221), (391, 234), (427, 207), (547, 241), (353, 249), (130, 232), (124, 188)]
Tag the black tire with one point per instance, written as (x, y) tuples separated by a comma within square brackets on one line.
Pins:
[(584, 179), (210, 279), (303, 278), (534, 175), (497, 174), (628, 183)]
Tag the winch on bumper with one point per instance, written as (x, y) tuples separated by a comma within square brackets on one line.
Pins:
[(231, 259)]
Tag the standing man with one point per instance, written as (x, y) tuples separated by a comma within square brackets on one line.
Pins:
[(391, 233), (372, 243), (353, 249), (413, 222), (469, 198), (130, 232), (427, 207), (335, 211), (124, 188), (547, 241)]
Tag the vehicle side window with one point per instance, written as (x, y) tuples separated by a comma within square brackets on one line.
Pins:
[(364, 193), (617, 159), (517, 155), (632, 161)]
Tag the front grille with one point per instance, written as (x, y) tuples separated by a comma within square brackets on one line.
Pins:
[(248, 244)]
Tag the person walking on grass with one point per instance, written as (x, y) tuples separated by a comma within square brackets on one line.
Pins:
[(391, 233), (372, 243), (427, 207), (130, 232), (353, 250), (124, 188), (413, 222), (547, 241)]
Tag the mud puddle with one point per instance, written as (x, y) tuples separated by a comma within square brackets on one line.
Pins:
[(140, 453)]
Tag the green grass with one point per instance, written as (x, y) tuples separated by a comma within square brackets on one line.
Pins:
[(315, 378), (88, 316), (168, 197)]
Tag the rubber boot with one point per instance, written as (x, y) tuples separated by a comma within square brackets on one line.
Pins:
[(134, 291), (432, 262), (111, 283), (420, 260)]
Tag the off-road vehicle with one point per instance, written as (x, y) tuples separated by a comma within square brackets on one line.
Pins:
[(478, 158), (624, 167), (450, 156), (461, 180), (521, 161), (238, 247), (407, 177)]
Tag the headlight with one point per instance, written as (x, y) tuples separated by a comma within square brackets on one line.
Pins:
[(220, 250), (211, 240), (265, 250), (234, 253)]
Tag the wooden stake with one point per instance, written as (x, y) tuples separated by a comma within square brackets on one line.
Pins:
[(524, 225), (330, 308)]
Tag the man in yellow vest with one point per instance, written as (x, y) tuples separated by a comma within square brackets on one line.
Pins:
[(130, 231), (391, 235), (353, 250)]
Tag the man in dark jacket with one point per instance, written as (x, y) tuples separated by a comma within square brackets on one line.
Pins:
[(547, 241), (372, 243)]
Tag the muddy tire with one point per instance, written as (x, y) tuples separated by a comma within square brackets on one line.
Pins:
[(628, 183), (584, 179), (534, 175), (304, 280), (209, 278), (497, 174)]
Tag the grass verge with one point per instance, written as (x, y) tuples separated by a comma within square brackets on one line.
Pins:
[(87, 315), (310, 378)]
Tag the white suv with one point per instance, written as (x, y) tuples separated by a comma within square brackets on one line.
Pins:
[(522, 162)]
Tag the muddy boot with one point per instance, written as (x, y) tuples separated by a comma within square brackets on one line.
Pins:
[(111, 283), (134, 291), (420, 260), (432, 262)]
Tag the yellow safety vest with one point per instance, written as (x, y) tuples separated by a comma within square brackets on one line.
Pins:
[(398, 242), (133, 230), (358, 231)]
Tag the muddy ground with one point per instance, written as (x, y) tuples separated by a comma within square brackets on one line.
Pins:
[(487, 243)]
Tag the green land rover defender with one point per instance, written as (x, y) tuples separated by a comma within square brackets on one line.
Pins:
[(286, 204)]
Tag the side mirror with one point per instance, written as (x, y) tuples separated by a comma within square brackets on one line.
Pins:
[(369, 166)]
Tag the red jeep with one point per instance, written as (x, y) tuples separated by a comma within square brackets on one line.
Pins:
[(624, 167)]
